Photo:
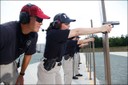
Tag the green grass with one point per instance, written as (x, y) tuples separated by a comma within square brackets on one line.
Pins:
[(112, 49)]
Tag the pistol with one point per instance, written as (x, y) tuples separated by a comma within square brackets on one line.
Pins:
[(112, 23)]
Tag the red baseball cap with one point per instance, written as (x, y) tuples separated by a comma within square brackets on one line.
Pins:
[(34, 10)]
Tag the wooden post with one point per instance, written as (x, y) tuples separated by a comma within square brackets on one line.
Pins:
[(90, 60), (106, 49), (93, 50)]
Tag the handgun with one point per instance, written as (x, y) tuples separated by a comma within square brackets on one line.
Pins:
[(112, 23)]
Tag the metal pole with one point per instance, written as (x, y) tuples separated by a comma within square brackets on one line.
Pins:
[(93, 50), (90, 59), (86, 57), (106, 49)]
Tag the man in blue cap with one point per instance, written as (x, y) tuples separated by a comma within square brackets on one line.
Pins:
[(56, 37)]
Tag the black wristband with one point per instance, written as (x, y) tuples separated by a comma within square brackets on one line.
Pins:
[(22, 74)]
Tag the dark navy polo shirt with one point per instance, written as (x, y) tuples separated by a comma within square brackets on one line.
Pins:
[(13, 42), (77, 48), (55, 44), (70, 47)]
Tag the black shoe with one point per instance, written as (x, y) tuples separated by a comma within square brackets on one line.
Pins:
[(74, 77), (79, 75), (80, 63)]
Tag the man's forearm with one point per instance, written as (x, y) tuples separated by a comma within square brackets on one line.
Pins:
[(85, 41), (86, 31), (25, 63)]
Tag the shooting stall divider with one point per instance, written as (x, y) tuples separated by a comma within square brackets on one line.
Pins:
[(106, 48), (106, 45), (93, 50), (90, 61)]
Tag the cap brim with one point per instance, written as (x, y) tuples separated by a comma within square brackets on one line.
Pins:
[(70, 20), (44, 16)]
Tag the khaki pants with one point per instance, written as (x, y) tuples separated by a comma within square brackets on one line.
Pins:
[(8, 73), (78, 58), (51, 77), (76, 62), (68, 70)]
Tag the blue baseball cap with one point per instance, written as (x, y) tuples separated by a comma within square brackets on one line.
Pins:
[(63, 18)]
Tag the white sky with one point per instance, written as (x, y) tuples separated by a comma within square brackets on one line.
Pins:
[(82, 11)]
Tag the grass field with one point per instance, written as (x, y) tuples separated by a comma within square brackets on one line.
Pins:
[(112, 49)]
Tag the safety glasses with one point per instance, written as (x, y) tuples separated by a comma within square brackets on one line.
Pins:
[(66, 23), (40, 20)]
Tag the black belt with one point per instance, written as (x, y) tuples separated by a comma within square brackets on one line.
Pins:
[(58, 63), (66, 57)]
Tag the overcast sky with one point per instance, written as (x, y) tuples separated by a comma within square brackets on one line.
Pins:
[(82, 11)]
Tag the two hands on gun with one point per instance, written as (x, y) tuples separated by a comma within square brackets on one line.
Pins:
[(112, 23)]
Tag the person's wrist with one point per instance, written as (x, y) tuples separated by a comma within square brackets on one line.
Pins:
[(101, 29), (22, 74)]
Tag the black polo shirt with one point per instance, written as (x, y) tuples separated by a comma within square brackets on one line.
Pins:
[(70, 47), (13, 42), (55, 44), (77, 48)]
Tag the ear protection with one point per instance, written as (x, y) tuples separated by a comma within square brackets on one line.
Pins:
[(24, 17), (58, 19)]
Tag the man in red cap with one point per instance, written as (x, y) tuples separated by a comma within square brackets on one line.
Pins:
[(16, 38)]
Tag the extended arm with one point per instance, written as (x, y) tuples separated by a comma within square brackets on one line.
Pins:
[(83, 45), (85, 41), (86, 31)]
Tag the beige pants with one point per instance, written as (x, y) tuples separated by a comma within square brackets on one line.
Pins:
[(68, 70), (51, 77), (8, 73), (76, 62), (78, 58)]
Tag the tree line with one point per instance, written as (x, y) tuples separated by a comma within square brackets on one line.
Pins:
[(113, 41)]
